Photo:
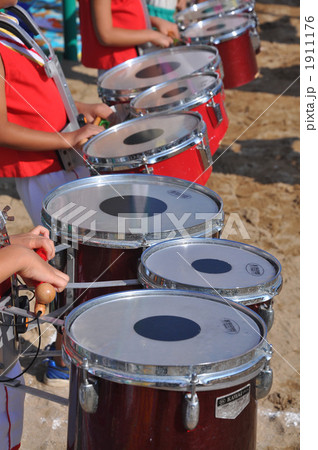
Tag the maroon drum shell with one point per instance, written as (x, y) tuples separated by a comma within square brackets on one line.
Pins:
[(113, 255), (133, 417), (96, 263)]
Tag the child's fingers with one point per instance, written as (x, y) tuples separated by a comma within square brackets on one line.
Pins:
[(40, 230)]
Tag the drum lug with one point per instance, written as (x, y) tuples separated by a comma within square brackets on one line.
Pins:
[(217, 111), (267, 314), (70, 270), (191, 408), (88, 396), (254, 35), (254, 17), (255, 39), (204, 151), (264, 381), (146, 169)]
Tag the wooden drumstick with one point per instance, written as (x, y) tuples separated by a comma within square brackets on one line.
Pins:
[(97, 121), (44, 292)]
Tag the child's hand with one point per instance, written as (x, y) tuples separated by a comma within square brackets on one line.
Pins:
[(36, 238), (160, 40), (34, 270), (78, 137), (25, 262), (165, 27), (93, 110)]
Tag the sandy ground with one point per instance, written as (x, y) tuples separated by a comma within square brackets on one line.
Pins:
[(256, 172)]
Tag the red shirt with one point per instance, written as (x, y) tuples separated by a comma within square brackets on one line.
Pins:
[(128, 14), (33, 101)]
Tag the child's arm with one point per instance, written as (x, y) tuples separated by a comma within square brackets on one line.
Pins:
[(31, 267), (120, 37), (25, 139)]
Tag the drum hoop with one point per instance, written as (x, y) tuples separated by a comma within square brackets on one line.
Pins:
[(189, 102), (208, 375), (65, 232), (125, 95), (151, 156), (186, 14), (250, 295), (215, 40)]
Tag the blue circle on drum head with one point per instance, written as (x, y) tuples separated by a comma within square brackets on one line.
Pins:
[(129, 205), (210, 265), (167, 328), (157, 70)]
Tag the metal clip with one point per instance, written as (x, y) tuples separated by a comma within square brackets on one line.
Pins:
[(4, 218), (267, 314), (70, 264), (217, 111), (191, 407), (88, 396), (147, 169), (4, 212), (264, 379), (204, 149)]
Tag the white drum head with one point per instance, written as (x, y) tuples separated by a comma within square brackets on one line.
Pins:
[(230, 268), (219, 29), (147, 135), (159, 328), (135, 75), (133, 210), (213, 8), (178, 94)]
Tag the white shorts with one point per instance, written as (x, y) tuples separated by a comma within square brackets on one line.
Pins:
[(11, 412), (33, 190)]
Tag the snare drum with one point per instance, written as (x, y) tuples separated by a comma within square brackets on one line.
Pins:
[(123, 82), (231, 35), (235, 271), (212, 8), (108, 220), (152, 145), (201, 92), (149, 366)]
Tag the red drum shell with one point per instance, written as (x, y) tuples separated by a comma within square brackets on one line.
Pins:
[(201, 100), (215, 132), (187, 165), (231, 35), (239, 61), (133, 417), (182, 157)]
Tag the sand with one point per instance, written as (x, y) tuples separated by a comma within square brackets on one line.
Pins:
[(256, 172)]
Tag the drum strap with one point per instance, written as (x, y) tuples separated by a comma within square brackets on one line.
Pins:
[(70, 159)]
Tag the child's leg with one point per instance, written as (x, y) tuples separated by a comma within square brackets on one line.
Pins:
[(11, 412)]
